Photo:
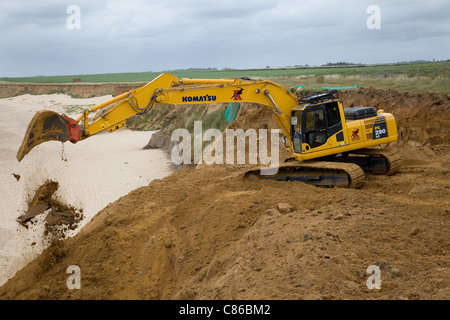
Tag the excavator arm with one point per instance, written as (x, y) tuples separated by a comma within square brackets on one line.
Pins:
[(51, 126)]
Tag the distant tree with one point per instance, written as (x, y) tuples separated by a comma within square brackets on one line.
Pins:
[(342, 63)]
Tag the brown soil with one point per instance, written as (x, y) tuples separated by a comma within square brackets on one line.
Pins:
[(206, 234)]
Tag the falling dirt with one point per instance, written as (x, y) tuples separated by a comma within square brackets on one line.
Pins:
[(59, 217), (205, 233), (40, 202)]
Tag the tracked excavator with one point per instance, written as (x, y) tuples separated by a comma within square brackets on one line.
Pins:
[(330, 145)]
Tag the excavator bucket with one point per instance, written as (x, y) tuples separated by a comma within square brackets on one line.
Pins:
[(48, 126)]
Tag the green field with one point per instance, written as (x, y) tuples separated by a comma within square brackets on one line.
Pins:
[(434, 77)]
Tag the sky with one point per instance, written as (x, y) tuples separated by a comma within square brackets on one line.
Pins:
[(70, 37)]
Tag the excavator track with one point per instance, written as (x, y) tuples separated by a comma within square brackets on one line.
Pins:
[(319, 173), (374, 161)]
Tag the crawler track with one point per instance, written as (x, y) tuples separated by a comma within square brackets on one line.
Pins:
[(319, 173), (374, 161), (345, 171)]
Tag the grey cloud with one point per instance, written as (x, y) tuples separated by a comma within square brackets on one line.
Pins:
[(118, 36)]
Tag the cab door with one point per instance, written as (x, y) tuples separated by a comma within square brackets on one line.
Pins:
[(323, 126), (296, 130), (315, 125), (334, 121)]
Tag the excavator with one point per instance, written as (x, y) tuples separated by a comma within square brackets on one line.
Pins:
[(330, 145)]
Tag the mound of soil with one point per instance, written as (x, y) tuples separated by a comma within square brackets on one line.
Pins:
[(205, 233)]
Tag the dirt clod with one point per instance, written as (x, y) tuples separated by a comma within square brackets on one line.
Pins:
[(60, 217), (284, 208), (41, 201)]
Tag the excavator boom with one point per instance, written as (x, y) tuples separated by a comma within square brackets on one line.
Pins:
[(51, 126)]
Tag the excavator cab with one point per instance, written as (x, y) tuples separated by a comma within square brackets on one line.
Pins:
[(313, 125), (308, 129)]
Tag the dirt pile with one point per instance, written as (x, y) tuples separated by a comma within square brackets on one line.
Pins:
[(206, 234)]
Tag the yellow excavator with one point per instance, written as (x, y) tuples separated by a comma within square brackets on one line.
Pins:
[(330, 145)]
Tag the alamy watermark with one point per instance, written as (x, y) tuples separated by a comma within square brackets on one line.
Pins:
[(214, 154), (73, 21), (74, 280), (374, 280), (374, 20)]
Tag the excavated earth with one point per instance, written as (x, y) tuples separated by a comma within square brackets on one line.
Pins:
[(204, 233)]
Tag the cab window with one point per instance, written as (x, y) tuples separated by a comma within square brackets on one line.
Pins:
[(333, 114), (316, 128)]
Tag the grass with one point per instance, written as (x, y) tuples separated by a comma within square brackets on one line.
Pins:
[(71, 109), (423, 84), (433, 77)]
